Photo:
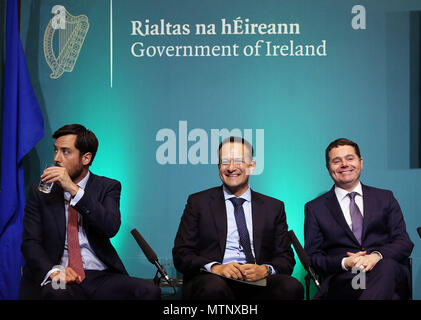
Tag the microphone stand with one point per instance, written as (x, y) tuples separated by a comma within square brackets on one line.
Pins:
[(160, 279), (157, 279), (153, 258)]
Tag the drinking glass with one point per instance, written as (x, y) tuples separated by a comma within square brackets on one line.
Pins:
[(44, 186)]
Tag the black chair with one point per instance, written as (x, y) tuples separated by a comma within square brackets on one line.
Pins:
[(408, 263)]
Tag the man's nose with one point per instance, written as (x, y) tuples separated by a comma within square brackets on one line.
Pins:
[(57, 157), (232, 165)]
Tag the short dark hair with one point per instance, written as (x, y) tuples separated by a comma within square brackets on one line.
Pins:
[(86, 140), (233, 139), (341, 142)]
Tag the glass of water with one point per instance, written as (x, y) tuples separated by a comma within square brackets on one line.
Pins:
[(44, 186)]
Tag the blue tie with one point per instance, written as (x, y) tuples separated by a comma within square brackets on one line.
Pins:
[(240, 219), (356, 217)]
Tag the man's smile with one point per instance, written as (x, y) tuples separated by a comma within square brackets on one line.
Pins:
[(346, 171)]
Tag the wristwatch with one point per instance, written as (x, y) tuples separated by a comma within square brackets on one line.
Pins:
[(268, 270)]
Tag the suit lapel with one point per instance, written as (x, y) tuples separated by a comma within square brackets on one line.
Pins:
[(257, 212), (90, 184), (219, 213), (336, 212), (91, 181), (55, 206), (369, 209)]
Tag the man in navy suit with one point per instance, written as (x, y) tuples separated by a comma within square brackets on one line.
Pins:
[(355, 235), (212, 236), (97, 271)]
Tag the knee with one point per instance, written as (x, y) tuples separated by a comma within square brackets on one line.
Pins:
[(214, 288), (207, 288), (294, 290), (153, 293), (285, 287), (147, 291), (48, 292), (388, 267)]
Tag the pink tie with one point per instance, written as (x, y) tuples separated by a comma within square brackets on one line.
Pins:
[(73, 247)]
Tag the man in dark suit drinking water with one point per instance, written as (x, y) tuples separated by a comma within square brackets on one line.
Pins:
[(66, 237)]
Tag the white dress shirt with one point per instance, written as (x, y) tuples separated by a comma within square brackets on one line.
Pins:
[(344, 201)]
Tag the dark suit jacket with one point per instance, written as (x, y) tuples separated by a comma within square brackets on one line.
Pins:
[(202, 234), (44, 226), (328, 236)]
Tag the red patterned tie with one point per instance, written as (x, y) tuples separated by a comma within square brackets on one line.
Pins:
[(73, 247)]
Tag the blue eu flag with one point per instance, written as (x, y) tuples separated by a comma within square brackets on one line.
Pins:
[(23, 127)]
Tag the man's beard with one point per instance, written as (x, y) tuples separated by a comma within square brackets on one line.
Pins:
[(76, 174)]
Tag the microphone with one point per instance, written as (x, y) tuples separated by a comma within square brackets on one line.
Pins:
[(419, 231), (304, 258), (149, 253)]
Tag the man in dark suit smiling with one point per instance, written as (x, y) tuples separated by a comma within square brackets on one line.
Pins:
[(235, 232), (66, 237), (355, 228)]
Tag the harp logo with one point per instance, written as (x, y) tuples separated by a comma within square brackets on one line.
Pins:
[(61, 52)]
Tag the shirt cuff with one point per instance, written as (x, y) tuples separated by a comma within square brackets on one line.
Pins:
[(272, 270), (209, 266), (381, 257), (47, 279), (77, 197), (343, 264)]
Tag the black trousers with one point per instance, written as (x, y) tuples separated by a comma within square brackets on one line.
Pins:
[(388, 280), (208, 286), (104, 285)]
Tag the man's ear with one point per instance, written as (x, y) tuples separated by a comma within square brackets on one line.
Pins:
[(86, 158), (250, 169)]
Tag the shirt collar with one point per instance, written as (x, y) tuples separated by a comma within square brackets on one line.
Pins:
[(81, 184), (342, 193), (246, 195)]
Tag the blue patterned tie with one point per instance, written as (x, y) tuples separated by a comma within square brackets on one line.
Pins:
[(356, 217), (240, 219)]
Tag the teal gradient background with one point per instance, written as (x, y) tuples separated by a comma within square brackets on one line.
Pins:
[(360, 90)]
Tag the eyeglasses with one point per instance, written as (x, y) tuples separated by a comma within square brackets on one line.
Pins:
[(236, 161)]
